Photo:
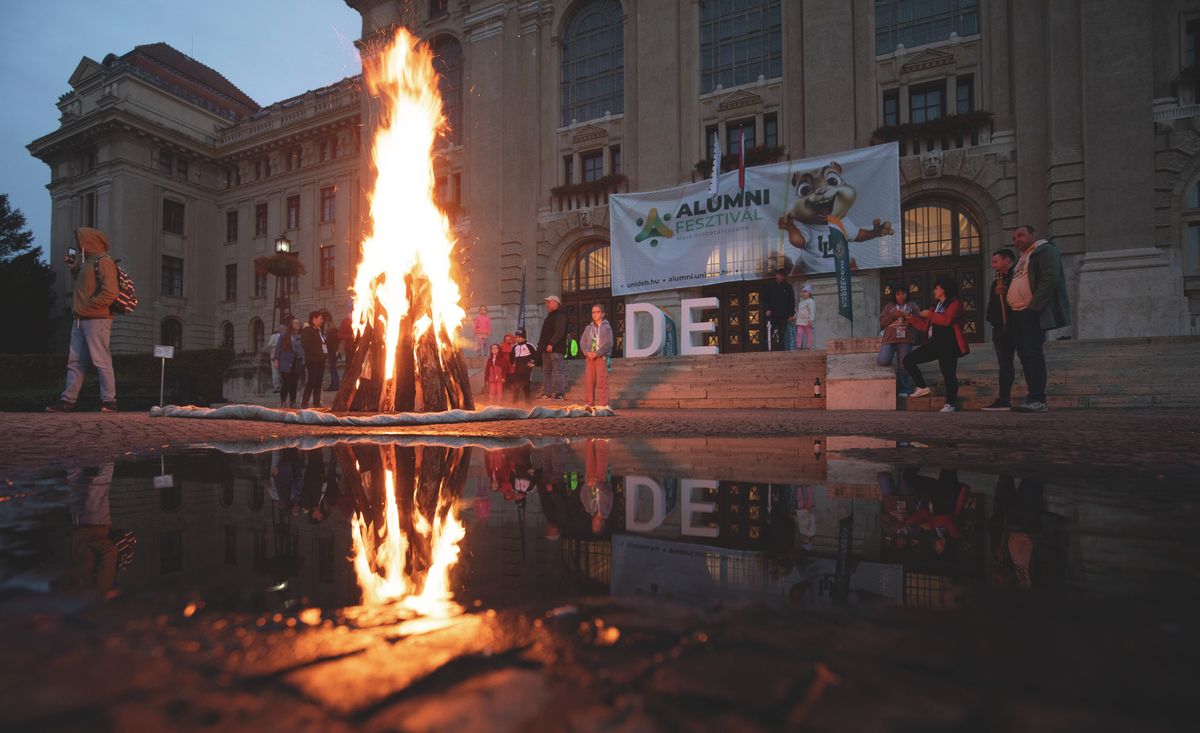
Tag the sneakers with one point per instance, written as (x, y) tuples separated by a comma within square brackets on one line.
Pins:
[(109, 406), (1032, 407), (61, 406), (997, 406), (947, 408), (921, 392)]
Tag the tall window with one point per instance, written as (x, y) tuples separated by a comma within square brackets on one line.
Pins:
[(293, 212), (593, 62), (740, 40), (733, 136), (939, 229), (231, 283), (448, 63), (260, 220), (166, 162), (172, 333), (231, 226), (327, 255), (614, 155), (89, 209), (260, 285), (593, 165), (328, 203), (588, 268), (925, 103), (181, 168), (891, 107), (227, 335), (172, 275), (771, 129), (172, 216), (295, 158), (568, 169), (914, 23), (1191, 222)]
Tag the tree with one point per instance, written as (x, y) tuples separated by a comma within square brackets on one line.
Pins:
[(26, 286)]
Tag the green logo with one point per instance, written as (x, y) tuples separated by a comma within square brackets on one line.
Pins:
[(654, 226)]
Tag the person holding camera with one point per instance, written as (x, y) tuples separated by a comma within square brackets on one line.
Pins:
[(95, 276)]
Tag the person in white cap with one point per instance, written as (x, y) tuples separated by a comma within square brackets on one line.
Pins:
[(553, 344), (806, 314)]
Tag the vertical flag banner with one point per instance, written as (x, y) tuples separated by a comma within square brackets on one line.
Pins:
[(780, 215), (742, 161), (521, 307), (716, 169), (841, 268)]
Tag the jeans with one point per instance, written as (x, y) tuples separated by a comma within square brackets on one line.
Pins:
[(1005, 349), (1029, 338), (481, 343), (947, 358), (554, 374), (896, 352), (89, 342), (334, 380)]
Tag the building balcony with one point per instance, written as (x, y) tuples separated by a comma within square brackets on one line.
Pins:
[(587, 195), (953, 132)]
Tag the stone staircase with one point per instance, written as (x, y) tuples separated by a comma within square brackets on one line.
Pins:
[(1133, 372), (722, 381)]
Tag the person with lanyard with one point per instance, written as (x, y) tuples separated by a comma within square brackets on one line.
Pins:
[(316, 349), (597, 340), (947, 342)]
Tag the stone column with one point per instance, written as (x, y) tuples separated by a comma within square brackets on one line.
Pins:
[(829, 79), (1127, 286)]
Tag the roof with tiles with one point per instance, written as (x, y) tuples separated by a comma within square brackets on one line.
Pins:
[(182, 73)]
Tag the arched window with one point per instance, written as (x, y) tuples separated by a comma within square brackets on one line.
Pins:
[(227, 335), (588, 268), (939, 229), (740, 40), (448, 63), (172, 333), (257, 335), (593, 62)]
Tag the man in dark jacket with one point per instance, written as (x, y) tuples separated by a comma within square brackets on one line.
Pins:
[(316, 350), (779, 305), (998, 315), (553, 346), (1037, 296)]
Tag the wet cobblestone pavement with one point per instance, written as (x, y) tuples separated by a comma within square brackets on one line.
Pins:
[(729, 571)]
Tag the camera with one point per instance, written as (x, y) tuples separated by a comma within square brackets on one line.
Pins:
[(72, 252)]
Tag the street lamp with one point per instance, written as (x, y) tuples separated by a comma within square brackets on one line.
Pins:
[(283, 245)]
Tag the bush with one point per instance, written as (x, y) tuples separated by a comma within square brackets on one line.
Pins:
[(29, 382)]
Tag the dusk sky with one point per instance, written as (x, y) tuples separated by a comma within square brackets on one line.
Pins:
[(270, 49)]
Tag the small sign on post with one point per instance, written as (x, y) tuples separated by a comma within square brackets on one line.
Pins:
[(164, 353)]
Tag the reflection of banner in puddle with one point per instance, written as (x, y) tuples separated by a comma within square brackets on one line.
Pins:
[(693, 574)]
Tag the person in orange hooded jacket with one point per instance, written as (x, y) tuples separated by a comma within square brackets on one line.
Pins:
[(947, 342), (95, 276)]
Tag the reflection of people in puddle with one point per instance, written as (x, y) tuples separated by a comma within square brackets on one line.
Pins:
[(1017, 530), (93, 549), (285, 486), (806, 516), (596, 495), (319, 489), (941, 501), (551, 489)]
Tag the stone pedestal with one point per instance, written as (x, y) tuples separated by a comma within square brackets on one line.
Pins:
[(248, 379), (1129, 292), (853, 380)]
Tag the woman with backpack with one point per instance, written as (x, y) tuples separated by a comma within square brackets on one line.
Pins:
[(289, 354), (946, 344)]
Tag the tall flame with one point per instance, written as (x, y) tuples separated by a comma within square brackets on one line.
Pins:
[(409, 234), (409, 240)]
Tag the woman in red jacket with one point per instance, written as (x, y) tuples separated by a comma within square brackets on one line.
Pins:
[(946, 344)]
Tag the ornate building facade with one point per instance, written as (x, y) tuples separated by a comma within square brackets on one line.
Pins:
[(1080, 119)]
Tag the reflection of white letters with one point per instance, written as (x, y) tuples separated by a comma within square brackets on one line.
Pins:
[(658, 504), (658, 322), (690, 508), (687, 306)]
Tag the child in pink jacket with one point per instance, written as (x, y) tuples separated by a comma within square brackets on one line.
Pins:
[(483, 330)]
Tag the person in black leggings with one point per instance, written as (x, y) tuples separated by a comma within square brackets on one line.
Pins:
[(316, 349), (946, 345)]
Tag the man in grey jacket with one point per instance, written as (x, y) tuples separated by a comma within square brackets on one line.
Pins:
[(1037, 296)]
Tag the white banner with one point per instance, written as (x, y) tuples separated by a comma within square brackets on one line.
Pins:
[(683, 237)]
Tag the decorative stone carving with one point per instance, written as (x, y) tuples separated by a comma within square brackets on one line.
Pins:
[(739, 99), (928, 59), (585, 217), (931, 164)]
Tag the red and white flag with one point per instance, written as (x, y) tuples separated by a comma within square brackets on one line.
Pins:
[(742, 161)]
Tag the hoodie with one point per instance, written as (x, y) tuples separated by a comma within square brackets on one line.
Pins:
[(597, 338), (91, 298)]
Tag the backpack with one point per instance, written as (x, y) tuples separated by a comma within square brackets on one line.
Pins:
[(127, 299)]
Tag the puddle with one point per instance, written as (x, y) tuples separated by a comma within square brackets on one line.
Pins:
[(789, 523)]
